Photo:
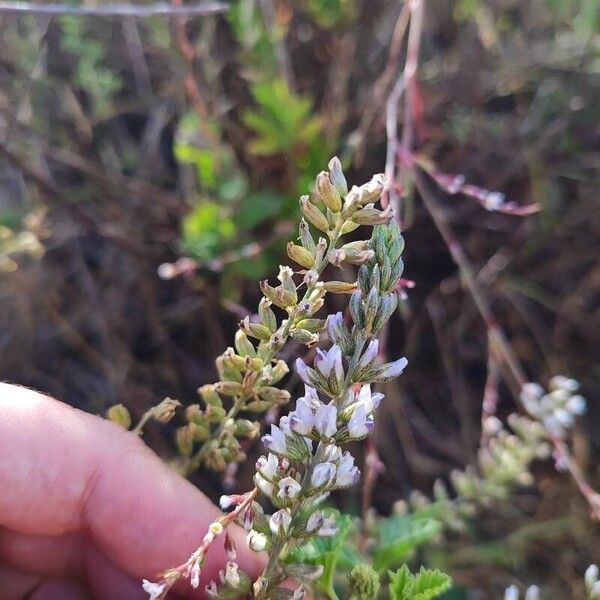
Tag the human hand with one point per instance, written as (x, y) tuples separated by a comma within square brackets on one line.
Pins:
[(87, 510)]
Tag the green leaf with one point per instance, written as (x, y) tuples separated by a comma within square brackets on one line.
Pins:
[(205, 229), (282, 121), (425, 585), (258, 207), (399, 536)]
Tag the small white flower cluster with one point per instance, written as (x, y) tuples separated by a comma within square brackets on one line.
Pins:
[(512, 593), (592, 587), (557, 408), (592, 584)]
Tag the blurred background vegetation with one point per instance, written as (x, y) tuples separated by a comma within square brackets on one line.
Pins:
[(149, 175)]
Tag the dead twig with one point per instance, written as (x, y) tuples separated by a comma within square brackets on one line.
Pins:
[(116, 10)]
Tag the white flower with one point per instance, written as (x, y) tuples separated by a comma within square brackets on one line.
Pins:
[(576, 405), (155, 590), (369, 355), (263, 485), (326, 420), (591, 576), (276, 441), (393, 369), (280, 521), (226, 502), (310, 396), (304, 372), (511, 593), (314, 521), (532, 593), (328, 528), (359, 425), (370, 401), (326, 362), (288, 488), (256, 541), (302, 420), (322, 474), (347, 473), (268, 466), (560, 381), (333, 453)]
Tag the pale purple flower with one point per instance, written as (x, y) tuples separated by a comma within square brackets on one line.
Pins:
[(276, 441), (326, 420), (369, 355), (326, 362), (334, 322), (315, 521), (302, 420), (323, 474), (268, 466), (347, 473), (303, 371), (333, 453), (288, 488), (393, 369), (369, 400), (358, 426), (328, 528), (280, 521), (310, 396)]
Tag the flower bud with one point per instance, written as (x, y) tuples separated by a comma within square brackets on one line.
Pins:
[(364, 582), (372, 216), (339, 287), (356, 309), (243, 345), (209, 395), (279, 523), (266, 314), (165, 411), (313, 214), (256, 330), (328, 192), (336, 176), (305, 236), (352, 202), (229, 388), (320, 250), (387, 306), (303, 336), (246, 428), (371, 191), (274, 395), (184, 438), (279, 371), (120, 415), (301, 255)]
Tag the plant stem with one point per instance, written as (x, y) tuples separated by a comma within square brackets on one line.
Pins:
[(196, 460)]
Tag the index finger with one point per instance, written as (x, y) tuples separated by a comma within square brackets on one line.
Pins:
[(63, 470)]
